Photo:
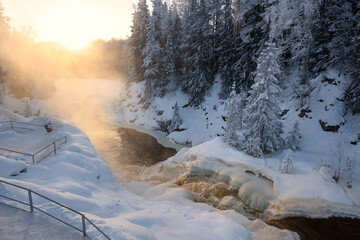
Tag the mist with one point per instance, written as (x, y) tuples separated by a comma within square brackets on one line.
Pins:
[(84, 102), (29, 67)]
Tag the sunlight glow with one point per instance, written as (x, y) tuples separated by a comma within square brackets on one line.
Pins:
[(74, 25)]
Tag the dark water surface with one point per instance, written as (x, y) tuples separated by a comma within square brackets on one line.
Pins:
[(138, 148), (321, 229)]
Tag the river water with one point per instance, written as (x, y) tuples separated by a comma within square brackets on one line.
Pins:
[(128, 152)]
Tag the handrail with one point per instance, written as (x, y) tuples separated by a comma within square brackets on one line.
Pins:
[(8, 150), (51, 144), (31, 124), (31, 205), (33, 155)]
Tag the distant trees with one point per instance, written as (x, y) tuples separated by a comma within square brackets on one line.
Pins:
[(176, 120), (227, 51), (153, 53), (286, 165), (137, 41), (233, 119), (251, 39), (198, 74), (293, 140)]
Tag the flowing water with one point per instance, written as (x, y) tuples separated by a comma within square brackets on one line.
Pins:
[(128, 152)]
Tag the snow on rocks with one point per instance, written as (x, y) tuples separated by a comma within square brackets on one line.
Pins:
[(260, 184)]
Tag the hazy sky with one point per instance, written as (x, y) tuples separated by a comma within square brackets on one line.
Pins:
[(72, 22)]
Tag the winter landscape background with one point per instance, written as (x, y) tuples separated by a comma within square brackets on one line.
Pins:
[(219, 119)]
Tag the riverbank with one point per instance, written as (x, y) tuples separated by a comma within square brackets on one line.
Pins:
[(259, 183), (81, 179)]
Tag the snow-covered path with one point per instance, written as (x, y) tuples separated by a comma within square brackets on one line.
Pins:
[(20, 225)]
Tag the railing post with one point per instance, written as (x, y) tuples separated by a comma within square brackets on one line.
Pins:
[(83, 225), (33, 158), (54, 147), (30, 201)]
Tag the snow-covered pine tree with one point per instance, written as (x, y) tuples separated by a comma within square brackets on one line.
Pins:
[(292, 22), (153, 52), (262, 120), (252, 35), (350, 164), (217, 25), (344, 25), (176, 120), (286, 165), (227, 51), (27, 110), (233, 119), (137, 41), (169, 75), (198, 74), (353, 92), (293, 140), (353, 95), (175, 29), (322, 35)]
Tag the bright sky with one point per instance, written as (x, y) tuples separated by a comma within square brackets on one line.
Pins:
[(73, 23)]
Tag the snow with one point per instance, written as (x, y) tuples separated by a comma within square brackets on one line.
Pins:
[(79, 178), (303, 192), (17, 224), (10, 167), (216, 159)]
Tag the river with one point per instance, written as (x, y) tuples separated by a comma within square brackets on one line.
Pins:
[(85, 102)]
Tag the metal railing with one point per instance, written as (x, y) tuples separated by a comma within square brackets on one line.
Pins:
[(19, 125), (52, 147), (30, 204)]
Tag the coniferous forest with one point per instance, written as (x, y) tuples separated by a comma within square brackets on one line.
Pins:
[(253, 45)]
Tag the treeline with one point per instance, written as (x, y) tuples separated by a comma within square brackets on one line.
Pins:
[(187, 43), (28, 67)]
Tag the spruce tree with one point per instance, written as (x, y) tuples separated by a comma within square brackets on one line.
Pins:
[(198, 74), (227, 51), (250, 40), (176, 31), (233, 119), (169, 75), (27, 110), (176, 120), (353, 96), (263, 124), (137, 41), (286, 165), (293, 140), (217, 27), (153, 52)]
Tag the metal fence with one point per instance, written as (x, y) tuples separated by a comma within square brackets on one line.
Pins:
[(84, 220), (6, 125), (42, 153)]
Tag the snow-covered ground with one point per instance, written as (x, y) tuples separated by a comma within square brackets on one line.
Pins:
[(307, 191), (79, 178)]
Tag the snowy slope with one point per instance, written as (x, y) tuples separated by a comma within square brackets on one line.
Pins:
[(308, 190), (302, 193), (78, 177)]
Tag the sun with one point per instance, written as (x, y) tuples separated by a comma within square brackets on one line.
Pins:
[(74, 25)]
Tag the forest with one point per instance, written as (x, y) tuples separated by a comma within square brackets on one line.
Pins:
[(254, 46)]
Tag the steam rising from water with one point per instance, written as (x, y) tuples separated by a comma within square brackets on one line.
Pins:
[(85, 102)]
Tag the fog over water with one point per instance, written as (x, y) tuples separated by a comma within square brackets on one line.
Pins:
[(87, 104)]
